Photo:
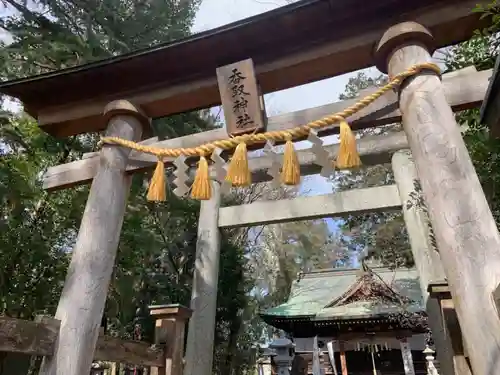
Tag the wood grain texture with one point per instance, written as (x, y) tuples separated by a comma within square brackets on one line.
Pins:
[(200, 340), (28, 337), (407, 357), (240, 98), (450, 320), (466, 233), (170, 329), (171, 311), (439, 290), (84, 294), (138, 353), (146, 142), (310, 52), (39, 338), (343, 360), (174, 355), (307, 208), (161, 334), (472, 84), (373, 150), (427, 259)]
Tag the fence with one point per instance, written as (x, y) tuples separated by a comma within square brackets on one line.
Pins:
[(22, 338)]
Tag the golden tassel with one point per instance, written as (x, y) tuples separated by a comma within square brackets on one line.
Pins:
[(290, 173), (348, 156), (156, 190), (238, 172), (202, 188)]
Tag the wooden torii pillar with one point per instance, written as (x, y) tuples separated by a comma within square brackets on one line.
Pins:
[(201, 332), (466, 233), (83, 297), (428, 263)]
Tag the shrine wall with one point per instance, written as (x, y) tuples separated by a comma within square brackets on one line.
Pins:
[(417, 342)]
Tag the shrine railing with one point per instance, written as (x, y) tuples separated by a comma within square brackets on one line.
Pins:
[(38, 338)]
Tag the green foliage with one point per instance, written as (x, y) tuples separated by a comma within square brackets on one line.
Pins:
[(476, 52), (384, 235), (285, 250), (481, 52), (361, 82), (36, 229), (157, 248), (485, 151), (490, 10), (276, 255), (381, 235), (53, 34)]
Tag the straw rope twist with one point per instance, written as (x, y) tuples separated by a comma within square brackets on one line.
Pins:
[(277, 136)]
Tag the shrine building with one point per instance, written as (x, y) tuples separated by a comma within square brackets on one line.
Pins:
[(373, 319)]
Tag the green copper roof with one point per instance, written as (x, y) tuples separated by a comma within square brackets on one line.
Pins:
[(314, 293)]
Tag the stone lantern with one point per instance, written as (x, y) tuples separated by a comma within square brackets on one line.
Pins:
[(429, 357), (283, 355)]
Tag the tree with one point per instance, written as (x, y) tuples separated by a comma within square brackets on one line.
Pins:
[(280, 252), (35, 229), (376, 234), (156, 252), (481, 52), (384, 235), (53, 34)]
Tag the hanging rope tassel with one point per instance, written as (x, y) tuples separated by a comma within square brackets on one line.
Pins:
[(156, 190), (290, 174), (202, 189), (238, 172), (348, 156)]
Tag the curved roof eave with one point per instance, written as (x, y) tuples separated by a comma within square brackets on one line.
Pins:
[(159, 47)]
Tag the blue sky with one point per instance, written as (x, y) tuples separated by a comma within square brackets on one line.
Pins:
[(215, 13), (294, 99)]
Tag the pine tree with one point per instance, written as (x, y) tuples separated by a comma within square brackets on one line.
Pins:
[(158, 242)]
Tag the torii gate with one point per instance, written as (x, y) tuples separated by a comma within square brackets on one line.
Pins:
[(73, 102)]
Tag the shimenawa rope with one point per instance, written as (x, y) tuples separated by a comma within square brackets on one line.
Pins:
[(238, 172)]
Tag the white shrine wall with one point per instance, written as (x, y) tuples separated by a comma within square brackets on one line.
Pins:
[(417, 342)]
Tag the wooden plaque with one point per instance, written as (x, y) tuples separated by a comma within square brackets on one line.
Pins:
[(240, 96)]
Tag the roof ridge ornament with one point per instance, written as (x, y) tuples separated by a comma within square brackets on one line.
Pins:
[(369, 286)]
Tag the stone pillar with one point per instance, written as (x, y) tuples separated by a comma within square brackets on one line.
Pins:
[(82, 300), (466, 233), (427, 259), (200, 341)]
